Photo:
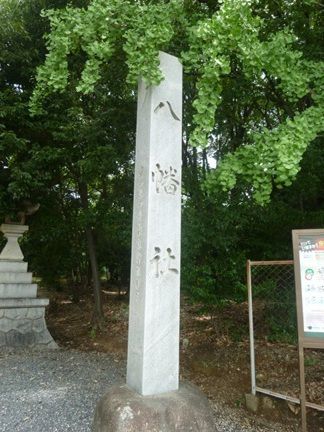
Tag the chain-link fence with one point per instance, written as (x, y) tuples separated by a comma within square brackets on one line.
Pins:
[(273, 328), (273, 334), (274, 301)]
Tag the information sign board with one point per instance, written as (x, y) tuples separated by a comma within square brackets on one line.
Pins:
[(309, 275), (308, 248)]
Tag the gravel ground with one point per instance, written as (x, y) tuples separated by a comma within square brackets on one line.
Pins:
[(53, 391), (56, 391)]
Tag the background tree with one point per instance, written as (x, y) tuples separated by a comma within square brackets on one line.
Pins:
[(253, 107), (70, 160)]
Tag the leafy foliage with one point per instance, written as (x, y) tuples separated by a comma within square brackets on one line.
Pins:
[(270, 154), (233, 37), (98, 31)]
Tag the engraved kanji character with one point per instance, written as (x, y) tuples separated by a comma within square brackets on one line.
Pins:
[(156, 260), (165, 179), (170, 258)]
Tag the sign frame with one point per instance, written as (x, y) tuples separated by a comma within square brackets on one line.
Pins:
[(305, 339)]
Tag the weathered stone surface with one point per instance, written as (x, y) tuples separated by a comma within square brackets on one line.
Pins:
[(10, 303), (153, 340), (36, 313), (22, 322), (13, 266), (22, 335), (124, 410), (15, 339), (38, 324), (17, 313), (6, 325), (252, 402), (51, 344), (12, 250), (44, 338), (22, 325), (15, 277), (17, 290), (2, 338)]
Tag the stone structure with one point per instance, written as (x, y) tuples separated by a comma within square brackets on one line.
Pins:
[(22, 322), (153, 340), (152, 400), (185, 410)]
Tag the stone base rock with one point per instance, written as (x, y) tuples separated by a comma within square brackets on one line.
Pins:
[(252, 402), (22, 324), (185, 410)]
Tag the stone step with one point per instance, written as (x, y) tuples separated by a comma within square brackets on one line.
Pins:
[(17, 290), (13, 266), (16, 303), (14, 277)]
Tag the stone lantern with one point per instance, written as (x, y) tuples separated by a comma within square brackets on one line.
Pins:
[(22, 314)]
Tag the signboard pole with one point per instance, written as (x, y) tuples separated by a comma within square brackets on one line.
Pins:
[(302, 388), (308, 246), (251, 328)]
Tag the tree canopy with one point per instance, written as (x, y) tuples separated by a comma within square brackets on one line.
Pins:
[(216, 47), (253, 110)]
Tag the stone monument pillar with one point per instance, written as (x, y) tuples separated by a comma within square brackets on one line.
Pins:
[(22, 322), (153, 339), (152, 400)]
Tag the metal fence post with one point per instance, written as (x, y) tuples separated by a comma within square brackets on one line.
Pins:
[(251, 328)]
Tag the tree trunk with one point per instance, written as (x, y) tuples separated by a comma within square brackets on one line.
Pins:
[(97, 317), (98, 311)]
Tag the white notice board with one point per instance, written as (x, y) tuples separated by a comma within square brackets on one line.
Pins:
[(309, 260)]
